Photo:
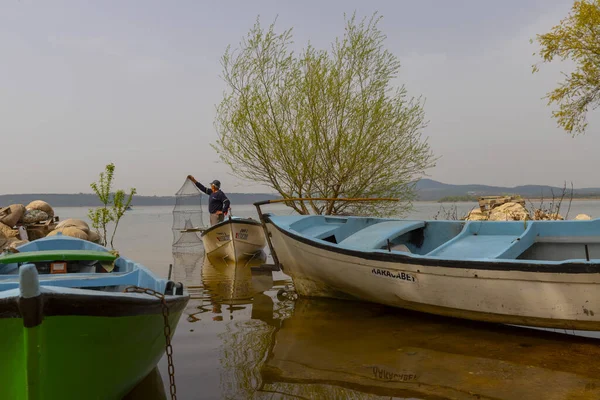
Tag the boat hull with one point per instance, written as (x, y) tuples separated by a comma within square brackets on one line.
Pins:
[(74, 346), (235, 239), (489, 292)]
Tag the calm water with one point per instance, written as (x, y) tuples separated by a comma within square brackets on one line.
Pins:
[(238, 338)]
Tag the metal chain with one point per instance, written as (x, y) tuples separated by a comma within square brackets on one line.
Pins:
[(167, 332)]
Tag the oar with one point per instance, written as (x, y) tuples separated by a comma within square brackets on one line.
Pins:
[(191, 230)]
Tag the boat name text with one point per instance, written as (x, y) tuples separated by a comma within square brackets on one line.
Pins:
[(400, 275), (242, 234), (222, 237), (384, 374)]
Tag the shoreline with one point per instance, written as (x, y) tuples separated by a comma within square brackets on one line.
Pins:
[(527, 200)]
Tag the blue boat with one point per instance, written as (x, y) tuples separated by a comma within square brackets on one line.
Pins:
[(79, 321), (535, 273)]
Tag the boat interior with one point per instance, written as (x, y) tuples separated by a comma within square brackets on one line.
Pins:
[(554, 241), (110, 273)]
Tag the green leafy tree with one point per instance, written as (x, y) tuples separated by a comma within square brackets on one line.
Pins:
[(113, 205), (320, 123), (575, 38)]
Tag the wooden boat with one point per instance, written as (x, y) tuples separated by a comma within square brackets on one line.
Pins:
[(534, 273), (72, 329), (358, 350), (235, 239)]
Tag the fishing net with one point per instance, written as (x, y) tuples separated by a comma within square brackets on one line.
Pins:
[(186, 267), (187, 218)]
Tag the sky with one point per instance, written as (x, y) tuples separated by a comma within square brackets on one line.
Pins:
[(136, 83)]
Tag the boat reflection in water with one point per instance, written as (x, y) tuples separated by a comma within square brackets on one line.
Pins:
[(338, 349), (150, 388), (228, 287), (274, 346)]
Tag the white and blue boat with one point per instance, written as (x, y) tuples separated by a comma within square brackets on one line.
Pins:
[(81, 322), (535, 273), (235, 239)]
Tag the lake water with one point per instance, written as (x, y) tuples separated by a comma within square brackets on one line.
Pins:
[(243, 337)]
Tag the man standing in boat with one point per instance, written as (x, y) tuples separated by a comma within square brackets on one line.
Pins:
[(218, 203)]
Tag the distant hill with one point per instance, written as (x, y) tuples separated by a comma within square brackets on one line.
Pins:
[(91, 200), (430, 190), (427, 190)]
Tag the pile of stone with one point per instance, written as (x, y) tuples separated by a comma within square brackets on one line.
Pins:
[(512, 209), (506, 212), (20, 224)]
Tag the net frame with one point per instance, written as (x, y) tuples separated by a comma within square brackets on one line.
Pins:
[(188, 214)]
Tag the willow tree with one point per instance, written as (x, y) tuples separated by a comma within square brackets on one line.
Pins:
[(575, 38), (323, 123)]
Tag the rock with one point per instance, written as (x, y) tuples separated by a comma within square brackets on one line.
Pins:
[(42, 206), (70, 231), (34, 216), (15, 215), (509, 212), (476, 215), (541, 215), (7, 231), (582, 217), (94, 237), (77, 223)]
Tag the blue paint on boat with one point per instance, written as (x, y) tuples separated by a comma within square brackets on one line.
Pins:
[(126, 272), (61, 242), (531, 242)]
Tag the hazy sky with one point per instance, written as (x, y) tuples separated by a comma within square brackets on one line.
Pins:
[(84, 83)]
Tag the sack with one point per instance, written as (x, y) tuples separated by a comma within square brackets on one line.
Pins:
[(18, 243), (12, 215), (70, 231), (94, 237), (77, 223), (8, 232), (34, 216), (42, 206)]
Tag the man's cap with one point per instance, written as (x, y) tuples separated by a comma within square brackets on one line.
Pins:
[(216, 183)]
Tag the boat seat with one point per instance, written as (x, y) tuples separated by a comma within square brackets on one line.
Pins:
[(520, 245), (376, 236), (476, 246), (319, 231)]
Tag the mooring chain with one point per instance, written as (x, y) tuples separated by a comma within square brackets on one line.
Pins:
[(167, 332)]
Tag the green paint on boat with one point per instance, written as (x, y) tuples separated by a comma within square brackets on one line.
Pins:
[(58, 255), (79, 357)]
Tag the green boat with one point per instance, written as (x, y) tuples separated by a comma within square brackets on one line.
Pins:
[(80, 322)]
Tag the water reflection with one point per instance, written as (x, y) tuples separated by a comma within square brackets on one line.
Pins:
[(186, 267), (275, 346), (227, 287), (335, 349), (150, 388)]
